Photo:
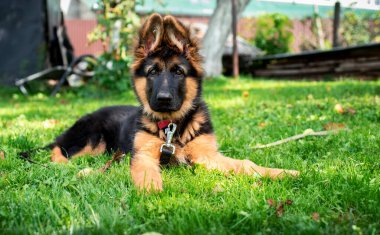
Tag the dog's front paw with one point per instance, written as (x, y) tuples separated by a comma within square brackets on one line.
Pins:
[(250, 168), (148, 181), (275, 173), (247, 167)]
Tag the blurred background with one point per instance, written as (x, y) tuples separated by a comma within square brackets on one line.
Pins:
[(70, 42)]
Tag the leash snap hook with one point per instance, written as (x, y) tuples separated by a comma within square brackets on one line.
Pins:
[(169, 131)]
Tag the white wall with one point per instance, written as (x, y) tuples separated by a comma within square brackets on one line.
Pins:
[(359, 4)]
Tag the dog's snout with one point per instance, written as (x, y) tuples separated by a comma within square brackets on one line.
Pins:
[(164, 96)]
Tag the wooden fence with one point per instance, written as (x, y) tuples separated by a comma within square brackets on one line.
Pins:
[(358, 60)]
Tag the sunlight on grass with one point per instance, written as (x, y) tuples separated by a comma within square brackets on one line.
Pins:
[(338, 191)]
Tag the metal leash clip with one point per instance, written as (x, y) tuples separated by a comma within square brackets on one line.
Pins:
[(168, 146)]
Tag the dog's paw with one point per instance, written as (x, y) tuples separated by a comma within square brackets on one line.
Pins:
[(250, 168), (247, 167), (292, 173), (151, 182), (275, 173)]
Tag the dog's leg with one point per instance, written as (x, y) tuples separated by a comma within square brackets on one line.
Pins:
[(57, 156), (145, 164), (75, 151), (203, 150)]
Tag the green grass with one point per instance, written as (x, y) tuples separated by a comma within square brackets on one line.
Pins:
[(340, 173)]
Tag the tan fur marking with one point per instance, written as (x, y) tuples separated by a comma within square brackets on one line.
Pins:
[(172, 22), (149, 124), (161, 134), (89, 150), (57, 156), (145, 169), (180, 154), (176, 33), (203, 150), (175, 41), (174, 61), (140, 87), (193, 127)]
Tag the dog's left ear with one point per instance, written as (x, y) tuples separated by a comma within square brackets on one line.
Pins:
[(179, 36), (175, 33)]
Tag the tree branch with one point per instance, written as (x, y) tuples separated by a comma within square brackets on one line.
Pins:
[(299, 136)]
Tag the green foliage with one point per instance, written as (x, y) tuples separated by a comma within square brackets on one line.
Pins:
[(360, 28), (354, 29), (117, 26), (373, 19), (113, 73), (273, 33), (340, 174)]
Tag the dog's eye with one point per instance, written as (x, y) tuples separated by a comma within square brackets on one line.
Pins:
[(152, 72), (179, 71)]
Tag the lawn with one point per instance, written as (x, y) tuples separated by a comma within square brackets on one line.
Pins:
[(338, 190)]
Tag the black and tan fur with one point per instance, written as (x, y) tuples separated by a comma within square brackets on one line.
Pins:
[(167, 79)]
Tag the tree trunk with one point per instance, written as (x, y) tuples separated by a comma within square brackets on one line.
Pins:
[(336, 24), (219, 28), (318, 25)]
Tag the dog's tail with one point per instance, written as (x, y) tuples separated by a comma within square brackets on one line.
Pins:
[(27, 155)]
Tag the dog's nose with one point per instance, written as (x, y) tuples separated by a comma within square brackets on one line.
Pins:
[(164, 96)]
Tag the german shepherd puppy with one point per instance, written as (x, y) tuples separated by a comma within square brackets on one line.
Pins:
[(171, 121)]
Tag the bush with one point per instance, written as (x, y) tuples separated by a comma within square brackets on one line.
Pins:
[(360, 28), (273, 33), (354, 29), (117, 25)]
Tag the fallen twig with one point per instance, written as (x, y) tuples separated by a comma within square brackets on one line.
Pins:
[(117, 156), (299, 136)]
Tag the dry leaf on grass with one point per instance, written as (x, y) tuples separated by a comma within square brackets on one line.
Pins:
[(348, 110), (151, 233), (315, 216), (63, 102), (257, 184), (334, 126), (289, 202), (218, 188), (280, 209), (308, 131), (262, 124), (2, 155), (49, 123), (271, 202), (339, 108), (351, 110), (84, 172), (245, 94)]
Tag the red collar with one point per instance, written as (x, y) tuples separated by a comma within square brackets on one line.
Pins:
[(163, 124)]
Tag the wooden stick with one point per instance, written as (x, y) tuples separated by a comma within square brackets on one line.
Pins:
[(117, 156), (299, 136)]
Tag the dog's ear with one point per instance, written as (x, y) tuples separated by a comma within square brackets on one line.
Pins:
[(179, 36), (151, 32), (175, 33)]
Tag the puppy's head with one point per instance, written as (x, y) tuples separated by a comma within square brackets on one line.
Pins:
[(167, 69)]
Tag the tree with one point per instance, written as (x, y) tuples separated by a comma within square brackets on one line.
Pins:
[(218, 30)]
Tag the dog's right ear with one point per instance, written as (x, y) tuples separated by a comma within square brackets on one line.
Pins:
[(151, 32)]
